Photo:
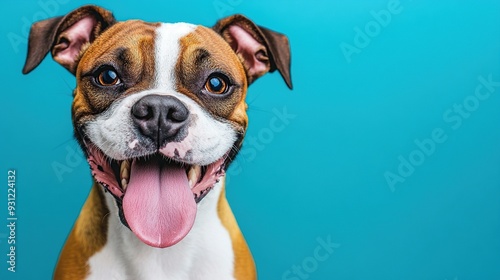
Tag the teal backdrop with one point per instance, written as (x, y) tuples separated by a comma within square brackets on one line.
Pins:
[(382, 163)]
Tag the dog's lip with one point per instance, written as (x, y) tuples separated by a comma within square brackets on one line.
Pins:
[(201, 178)]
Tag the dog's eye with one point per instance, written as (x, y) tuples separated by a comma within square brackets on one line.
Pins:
[(216, 84), (108, 77)]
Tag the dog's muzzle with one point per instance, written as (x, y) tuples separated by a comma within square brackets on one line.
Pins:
[(156, 193)]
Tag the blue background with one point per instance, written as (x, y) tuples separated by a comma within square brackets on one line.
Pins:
[(321, 175)]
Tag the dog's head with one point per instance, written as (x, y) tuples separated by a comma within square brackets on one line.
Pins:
[(159, 108)]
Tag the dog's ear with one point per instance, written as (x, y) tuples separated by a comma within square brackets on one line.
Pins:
[(66, 37), (260, 50)]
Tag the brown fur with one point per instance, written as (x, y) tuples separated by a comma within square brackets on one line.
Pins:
[(244, 266), (87, 237)]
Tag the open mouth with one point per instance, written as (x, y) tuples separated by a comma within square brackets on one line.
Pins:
[(158, 195), (115, 175), (201, 179)]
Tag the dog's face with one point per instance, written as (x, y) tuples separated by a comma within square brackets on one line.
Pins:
[(159, 108)]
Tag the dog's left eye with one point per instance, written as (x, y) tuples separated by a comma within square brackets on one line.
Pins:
[(108, 77), (216, 84)]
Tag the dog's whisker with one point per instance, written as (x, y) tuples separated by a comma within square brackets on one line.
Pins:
[(104, 220)]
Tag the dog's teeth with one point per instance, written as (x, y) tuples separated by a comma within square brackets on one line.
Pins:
[(194, 175), (124, 184), (124, 169), (125, 173)]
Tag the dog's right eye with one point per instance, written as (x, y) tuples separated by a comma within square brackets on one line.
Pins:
[(217, 84), (108, 77)]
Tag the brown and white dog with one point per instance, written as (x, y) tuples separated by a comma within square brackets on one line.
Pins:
[(159, 110)]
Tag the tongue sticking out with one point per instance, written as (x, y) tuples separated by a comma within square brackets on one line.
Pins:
[(158, 205)]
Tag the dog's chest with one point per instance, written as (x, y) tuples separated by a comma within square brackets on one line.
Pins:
[(206, 250)]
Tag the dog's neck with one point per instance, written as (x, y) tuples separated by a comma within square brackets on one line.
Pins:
[(112, 251)]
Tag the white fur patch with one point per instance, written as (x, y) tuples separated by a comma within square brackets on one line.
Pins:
[(208, 139), (205, 253), (167, 52)]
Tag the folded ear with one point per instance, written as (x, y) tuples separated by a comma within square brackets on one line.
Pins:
[(66, 37), (260, 50)]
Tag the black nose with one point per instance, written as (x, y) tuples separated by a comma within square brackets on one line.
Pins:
[(160, 117)]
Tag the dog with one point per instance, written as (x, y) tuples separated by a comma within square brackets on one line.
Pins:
[(159, 111)]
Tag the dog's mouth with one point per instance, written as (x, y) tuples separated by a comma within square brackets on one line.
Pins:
[(157, 195)]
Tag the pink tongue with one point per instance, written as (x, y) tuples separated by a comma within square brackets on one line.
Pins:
[(158, 205)]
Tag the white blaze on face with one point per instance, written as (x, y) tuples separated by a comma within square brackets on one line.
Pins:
[(167, 52), (208, 138)]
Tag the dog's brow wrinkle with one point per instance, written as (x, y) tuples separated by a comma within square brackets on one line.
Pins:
[(201, 55), (122, 54)]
